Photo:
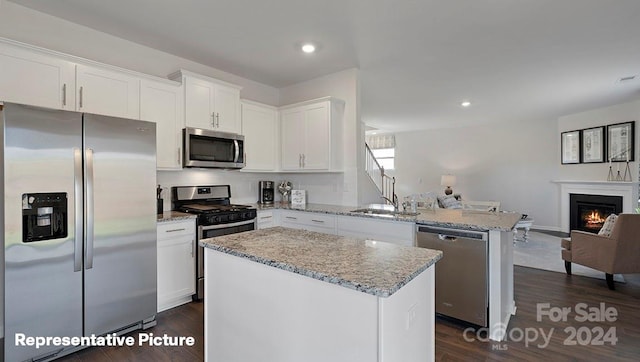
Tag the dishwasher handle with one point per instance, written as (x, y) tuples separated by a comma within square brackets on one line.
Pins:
[(453, 234)]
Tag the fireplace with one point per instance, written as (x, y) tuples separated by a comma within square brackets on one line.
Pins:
[(588, 212)]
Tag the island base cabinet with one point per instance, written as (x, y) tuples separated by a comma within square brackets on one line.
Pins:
[(255, 312)]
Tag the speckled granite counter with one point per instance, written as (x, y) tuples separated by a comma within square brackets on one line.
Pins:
[(453, 218), (174, 215), (371, 267), (469, 219)]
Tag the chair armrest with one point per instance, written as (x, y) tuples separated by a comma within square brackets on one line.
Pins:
[(592, 250)]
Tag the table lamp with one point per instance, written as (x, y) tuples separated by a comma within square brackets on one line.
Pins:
[(448, 181)]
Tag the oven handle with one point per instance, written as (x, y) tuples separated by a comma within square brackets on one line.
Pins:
[(224, 226)]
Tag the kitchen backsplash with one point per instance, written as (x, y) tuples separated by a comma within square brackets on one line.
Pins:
[(320, 188)]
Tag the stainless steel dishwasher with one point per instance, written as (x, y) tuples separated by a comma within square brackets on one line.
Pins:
[(462, 288)]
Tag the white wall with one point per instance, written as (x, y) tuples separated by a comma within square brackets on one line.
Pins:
[(244, 186), (511, 162), (625, 112), (333, 188)]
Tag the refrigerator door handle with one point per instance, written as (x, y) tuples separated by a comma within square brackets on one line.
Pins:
[(89, 225), (77, 191)]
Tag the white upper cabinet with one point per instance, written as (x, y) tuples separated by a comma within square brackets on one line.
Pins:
[(162, 103), (209, 103), (260, 130), (227, 109), (312, 135), (107, 92), (30, 77), (293, 142)]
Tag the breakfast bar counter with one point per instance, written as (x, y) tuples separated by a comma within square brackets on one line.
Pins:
[(281, 294), (456, 218)]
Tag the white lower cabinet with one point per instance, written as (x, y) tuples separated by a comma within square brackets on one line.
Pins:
[(267, 219), (311, 221), (397, 232), (176, 263)]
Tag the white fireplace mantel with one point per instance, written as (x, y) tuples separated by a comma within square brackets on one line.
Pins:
[(628, 191)]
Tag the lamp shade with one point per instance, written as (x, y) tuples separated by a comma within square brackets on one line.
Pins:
[(448, 180)]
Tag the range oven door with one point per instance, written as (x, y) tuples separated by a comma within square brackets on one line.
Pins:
[(210, 231), (204, 148)]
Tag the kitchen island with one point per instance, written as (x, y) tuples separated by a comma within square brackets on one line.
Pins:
[(498, 226), (281, 294)]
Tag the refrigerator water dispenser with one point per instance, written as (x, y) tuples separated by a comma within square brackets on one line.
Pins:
[(44, 216)]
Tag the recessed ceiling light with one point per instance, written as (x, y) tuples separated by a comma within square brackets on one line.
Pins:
[(465, 104), (308, 48)]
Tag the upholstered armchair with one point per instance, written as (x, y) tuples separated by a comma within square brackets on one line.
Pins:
[(617, 254)]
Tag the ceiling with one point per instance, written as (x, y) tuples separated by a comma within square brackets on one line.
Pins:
[(515, 60)]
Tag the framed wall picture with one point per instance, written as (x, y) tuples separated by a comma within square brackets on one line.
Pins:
[(620, 142), (593, 149), (570, 147)]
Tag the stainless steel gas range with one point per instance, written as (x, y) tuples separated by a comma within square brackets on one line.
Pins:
[(216, 217)]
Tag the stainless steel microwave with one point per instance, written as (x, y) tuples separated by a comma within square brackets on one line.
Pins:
[(211, 149)]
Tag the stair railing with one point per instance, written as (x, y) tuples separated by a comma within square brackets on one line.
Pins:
[(385, 183)]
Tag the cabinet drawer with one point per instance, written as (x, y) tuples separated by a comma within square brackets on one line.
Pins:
[(309, 221), (172, 229), (319, 220), (266, 219), (397, 232)]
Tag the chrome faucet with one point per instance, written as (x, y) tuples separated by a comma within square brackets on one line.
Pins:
[(393, 202)]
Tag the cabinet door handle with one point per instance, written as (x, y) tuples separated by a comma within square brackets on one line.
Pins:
[(304, 160), (291, 218), (81, 98), (193, 244), (300, 160), (64, 94), (320, 221), (179, 154), (174, 230), (213, 119), (217, 120), (266, 217)]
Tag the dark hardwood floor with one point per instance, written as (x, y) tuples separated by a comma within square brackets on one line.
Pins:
[(186, 320), (532, 286)]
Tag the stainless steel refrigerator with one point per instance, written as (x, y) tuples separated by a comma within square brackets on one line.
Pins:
[(79, 226)]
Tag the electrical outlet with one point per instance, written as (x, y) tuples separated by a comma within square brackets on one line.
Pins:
[(412, 315)]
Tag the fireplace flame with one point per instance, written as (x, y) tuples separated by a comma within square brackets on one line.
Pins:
[(594, 218)]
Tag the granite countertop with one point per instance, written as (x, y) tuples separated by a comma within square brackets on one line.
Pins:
[(469, 219), (174, 215), (368, 266), (453, 218)]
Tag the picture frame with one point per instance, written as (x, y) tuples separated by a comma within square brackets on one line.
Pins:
[(593, 145), (621, 142), (570, 147)]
